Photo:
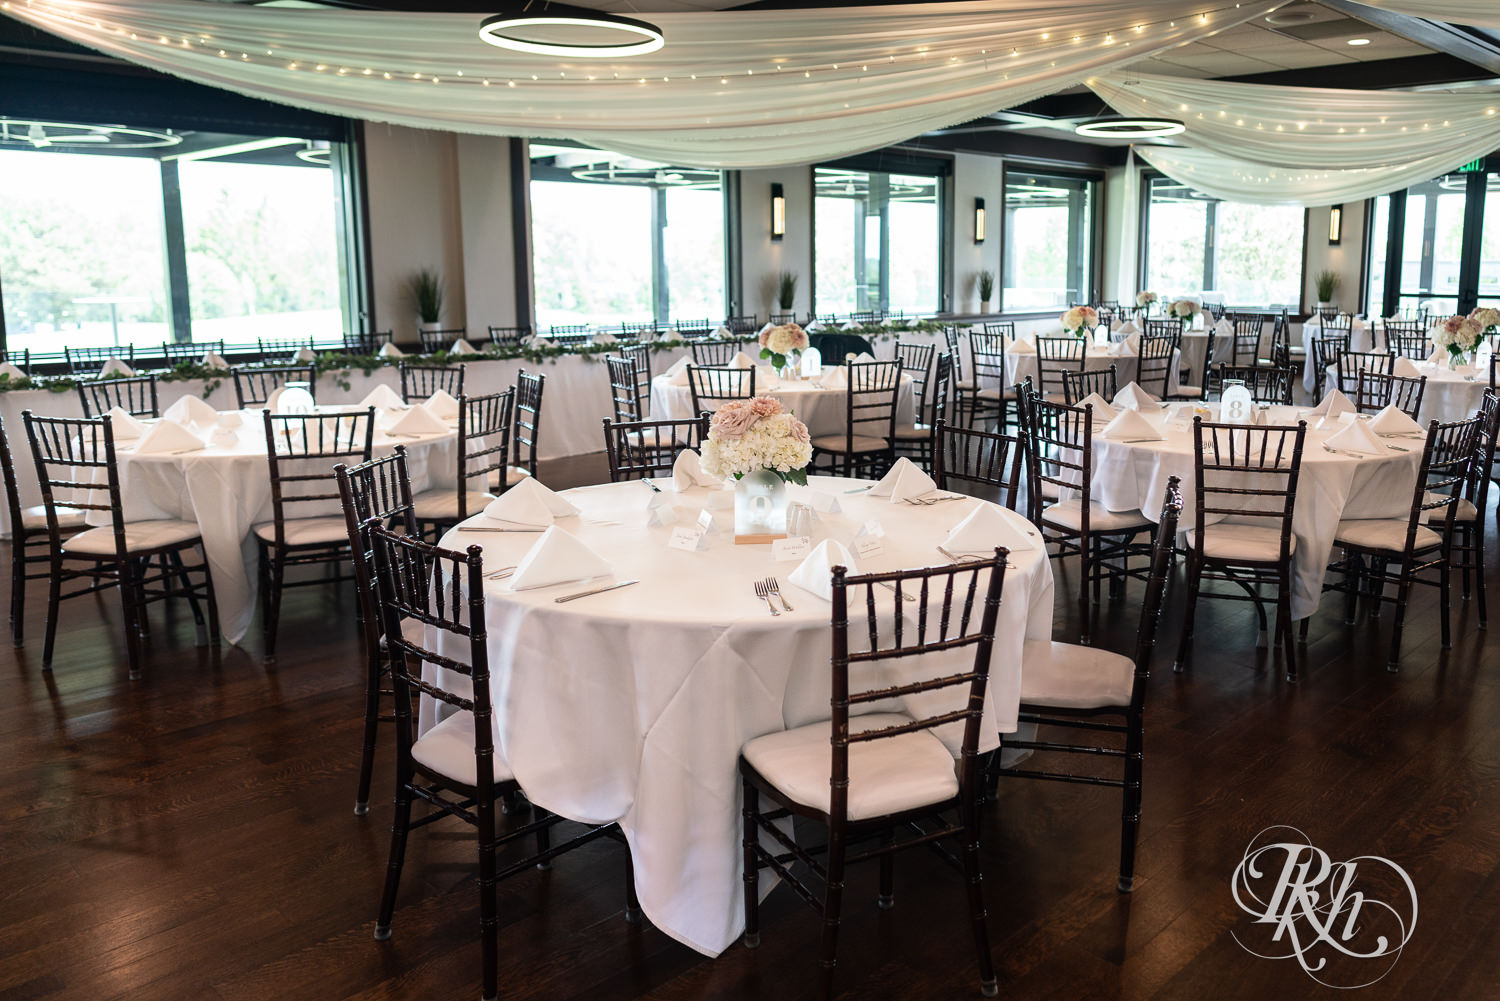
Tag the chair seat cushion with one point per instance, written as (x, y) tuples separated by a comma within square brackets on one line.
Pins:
[(837, 443), (1185, 389), (1241, 541), (998, 393), (1069, 676), (513, 475), (1466, 510), (1069, 514), (139, 536), (306, 531), (36, 517), (448, 750), (913, 432), (442, 505), (1382, 533), (885, 776)]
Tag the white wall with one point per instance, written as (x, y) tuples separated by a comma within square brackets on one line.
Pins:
[(763, 258), (1121, 257), (488, 240), (1346, 258), (975, 176)]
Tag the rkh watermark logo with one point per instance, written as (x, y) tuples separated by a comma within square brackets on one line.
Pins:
[(1345, 923)]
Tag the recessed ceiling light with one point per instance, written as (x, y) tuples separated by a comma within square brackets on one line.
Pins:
[(1359, 41)]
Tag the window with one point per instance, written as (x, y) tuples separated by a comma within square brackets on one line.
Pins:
[(112, 236), (1433, 223), (1048, 255), (617, 239), (878, 243), (1251, 254), (1380, 224)]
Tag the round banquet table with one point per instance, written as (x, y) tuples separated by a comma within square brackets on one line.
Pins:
[(1131, 475), (1021, 364), (632, 705), (226, 490), (824, 411), (1361, 338), (1450, 394)]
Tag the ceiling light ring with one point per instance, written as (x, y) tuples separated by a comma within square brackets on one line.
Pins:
[(1119, 127), (501, 30), (142, 138)]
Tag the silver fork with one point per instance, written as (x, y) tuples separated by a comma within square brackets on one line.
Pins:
[(774, 586), (962, 558), (893, 589), (765, 592), (500, 574)]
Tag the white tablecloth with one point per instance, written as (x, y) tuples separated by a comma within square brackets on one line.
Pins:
[(1361, 338), (1331, 487), (632, 706), (1021, 364), (1449, 395), (824, 411), (227, 490)]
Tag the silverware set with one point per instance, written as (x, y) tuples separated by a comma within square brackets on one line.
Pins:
[(500, 574), (929, 501), (764, 591), (971, 558)]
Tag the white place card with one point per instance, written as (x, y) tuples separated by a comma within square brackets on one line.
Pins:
[(866, 546), (706, 522), (791, 549), (688, 538), (872, 527)]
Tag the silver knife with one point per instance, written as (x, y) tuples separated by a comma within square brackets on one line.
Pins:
[(484, 528), (654, 488), (597, 590)]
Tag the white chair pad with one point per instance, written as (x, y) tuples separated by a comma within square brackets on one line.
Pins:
[(837, 443), (1069, 676), (1184, 389), (139, 536), (306, 531), (1238, 541), (1002, 393), (1466, 511), (1069, 514), (913, 432), (442, 505), (514, 475), (885, 776), (448, 750), (1382, 533), (36, 517)]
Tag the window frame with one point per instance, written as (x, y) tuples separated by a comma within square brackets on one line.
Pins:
[(1096, 225)]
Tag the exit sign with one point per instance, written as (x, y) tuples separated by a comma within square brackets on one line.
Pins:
[(1472, 167)]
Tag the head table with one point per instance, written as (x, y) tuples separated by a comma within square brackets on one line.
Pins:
[(632, 705)]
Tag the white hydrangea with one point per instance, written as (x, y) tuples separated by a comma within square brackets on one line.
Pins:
[(771, 443)]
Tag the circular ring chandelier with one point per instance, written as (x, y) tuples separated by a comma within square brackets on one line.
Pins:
[(515, 31), (318, 155), (41, 135), (1117, 127)]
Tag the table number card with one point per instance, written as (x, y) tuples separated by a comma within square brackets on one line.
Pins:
[(688, 538), (791, 549)]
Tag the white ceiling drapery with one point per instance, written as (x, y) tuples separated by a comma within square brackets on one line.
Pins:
[(1258, 183), (1479, 13), (730, 89)]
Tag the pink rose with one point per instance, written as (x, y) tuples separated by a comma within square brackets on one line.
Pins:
[(799, 432), (765, 334), (733, 419), (765, 406), (1452, 324)]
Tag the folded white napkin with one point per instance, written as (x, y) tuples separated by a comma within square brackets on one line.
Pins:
[(530, 503), (417, 420), (1133, 397), (442, 405), (1405, 368), (834, 378), (813, 327), (539, 342), (305, 356), (462, 347), (723, 331), (115, 366), (1121, 348), (677, 366), (389, 350), (125, 426), (982, 530), (815, 573), (741, 360), (904, 481), (1131, 425), (168, 436), (557, 557), (382, 398), (1332, 405), (1357, 437), (1022, 346), (687, 472), (1223, 329), (1439, 356), (192, 410), (1128, 327), (679, 377), (863, 357), (212, 359), (1102, 410), (7, 369), (1393, 420)]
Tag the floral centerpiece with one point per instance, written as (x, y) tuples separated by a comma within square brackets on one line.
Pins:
[(762, 447), (784, 345), (1144, 301), (1488, 320), (1080, 320), (1460, 335), (1184, 310)]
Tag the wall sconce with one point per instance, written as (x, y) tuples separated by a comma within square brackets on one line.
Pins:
[(1335, 225), (979, 220), (778, 212)]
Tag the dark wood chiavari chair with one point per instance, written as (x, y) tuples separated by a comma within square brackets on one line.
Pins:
[(688, 330), (526, 430), (635, 332), (484, 425), (441, 593), (30, 542), (282, 348), (714, 352), (1215, 310), (915, 440), (567, 330), (624, 390), (967, 459), (88, 361), (874, 752), (712, 386), (1326, 349), (963, 385), (510, 337), (743, 326), (434, 341), (1407, 345), (20, 359), (1002, 328), (253, 386), (1270, 386), (1282, 352), (1246, 475), (189, 351), (141, 559), (1198, 390), (637, 449), (991, 396), (1467, 553), (866, 317), (1404, 328), (640, 355), (1419, 544), (420, 382), (916, 365), (1083, 688), (367, 342), (1163, 328), (1349, 364), (379, 489), (780, 319), (301, 451), (1103, 381), (1246, 338), (136, 396), (1374, 391), (1156, 358), (1055, 355), (867, 445)]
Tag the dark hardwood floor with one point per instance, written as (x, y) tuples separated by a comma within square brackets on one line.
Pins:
[(190, 835)]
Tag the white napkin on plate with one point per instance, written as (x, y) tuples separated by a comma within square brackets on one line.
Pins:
[(462, 347), (115, 366), (1223, 329), (557, 557), (1332, 405), (6, 368), (442, 405), (1357, 437), (212, 359), (1133, 397), (417, 420), (815, 573), (192, 410), (1131, 425), (125, 426), (529, 503), (1405, 368), (722, 331), (834, 378), (168, 436), (679, 365), (1393, 420), (687, 472), (305, 356), (741, 360), (382, 398), (389, 350), (1102, 410), (982, 530), (904, 481)]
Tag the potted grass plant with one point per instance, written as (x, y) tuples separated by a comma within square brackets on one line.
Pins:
[(426, 290), (986, 282), (1327, 283), (786, 290)]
